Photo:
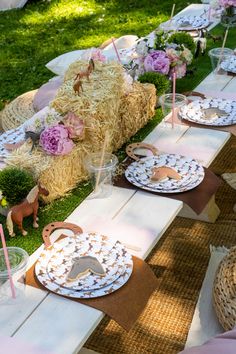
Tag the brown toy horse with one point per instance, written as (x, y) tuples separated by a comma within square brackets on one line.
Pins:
[(77, 81), (29, 206)]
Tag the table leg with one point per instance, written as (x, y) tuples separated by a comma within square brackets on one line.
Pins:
[(209, 214)]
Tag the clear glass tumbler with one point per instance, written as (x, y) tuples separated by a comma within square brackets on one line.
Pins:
[(217, 55), (18, 259), (101, 172), (166, 102)]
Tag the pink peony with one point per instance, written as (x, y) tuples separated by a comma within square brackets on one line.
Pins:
[(55, 140), (180, 70), (157, 61), (74, 125)]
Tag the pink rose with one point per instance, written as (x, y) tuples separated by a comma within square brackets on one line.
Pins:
[(74, 125)]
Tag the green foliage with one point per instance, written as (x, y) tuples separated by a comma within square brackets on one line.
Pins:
[(183, 38), (161, 82), (15, 184), (160, 40)]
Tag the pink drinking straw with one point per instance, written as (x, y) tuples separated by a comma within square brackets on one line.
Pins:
[(13, 292), (173, 99), (117, 54), (209, 13)]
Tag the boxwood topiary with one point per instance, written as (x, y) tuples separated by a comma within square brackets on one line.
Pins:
[(161, 82), (15, 184), (183, 38)]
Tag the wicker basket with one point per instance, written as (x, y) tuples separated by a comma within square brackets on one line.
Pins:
[(224, 291)]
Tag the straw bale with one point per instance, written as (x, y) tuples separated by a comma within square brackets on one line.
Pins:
[(104, 106)]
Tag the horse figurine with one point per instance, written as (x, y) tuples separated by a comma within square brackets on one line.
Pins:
[(78, 86), (77, 80), (86, 72), (29, 206)]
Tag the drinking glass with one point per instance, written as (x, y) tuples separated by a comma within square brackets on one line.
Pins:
[(166, 102), (18, 259), (101, 172), (217, 55)]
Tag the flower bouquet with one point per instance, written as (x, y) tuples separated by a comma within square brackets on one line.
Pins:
[(164, 57)]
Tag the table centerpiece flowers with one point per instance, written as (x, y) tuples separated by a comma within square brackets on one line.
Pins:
[(164, 57)]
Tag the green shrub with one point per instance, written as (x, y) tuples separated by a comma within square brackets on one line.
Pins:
[(183, 38), (15, 184), (161, 82)]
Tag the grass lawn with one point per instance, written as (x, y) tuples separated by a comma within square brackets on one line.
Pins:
[(42, 30), (32, 36)]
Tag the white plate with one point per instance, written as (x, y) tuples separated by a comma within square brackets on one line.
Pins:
[(229, 64), (59, 265), (194, 111), (69, 243), (139, 173), (189, 23)]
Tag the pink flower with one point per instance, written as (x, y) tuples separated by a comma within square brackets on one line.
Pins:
[(172, 55), (74, 125), (227, 3), (157, 61), (180, 71), (55, 140), (97, 55)]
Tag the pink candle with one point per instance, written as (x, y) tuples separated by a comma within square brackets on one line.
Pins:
[(117, 54), (173, 99), (13, 292)]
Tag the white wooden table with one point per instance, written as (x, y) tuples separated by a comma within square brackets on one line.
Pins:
[(137, 218)]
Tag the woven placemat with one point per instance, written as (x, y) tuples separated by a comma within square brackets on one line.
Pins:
[(180, 260), (18, 111)]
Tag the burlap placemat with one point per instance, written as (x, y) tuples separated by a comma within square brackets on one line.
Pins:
[(228, 128), (124, 305), (196, 198), (180, 259)]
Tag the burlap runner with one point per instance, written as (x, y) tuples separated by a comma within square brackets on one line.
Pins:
[(180, 260), (196, 198), (124, 305), (228, 128)]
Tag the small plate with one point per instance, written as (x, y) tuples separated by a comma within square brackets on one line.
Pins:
[(69, 244), (189, 23), (199, 111), (113, 266), (139, 173)]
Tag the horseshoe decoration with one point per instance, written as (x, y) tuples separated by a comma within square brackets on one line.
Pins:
[(48, 229), (130, 149)]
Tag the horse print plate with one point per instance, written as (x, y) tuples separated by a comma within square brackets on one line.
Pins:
[(139, 173), (124, 261), (58, 268), (210, 111), (229, 64), (189, 23)]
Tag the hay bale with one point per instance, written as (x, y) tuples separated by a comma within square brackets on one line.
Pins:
[(104, 106)]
